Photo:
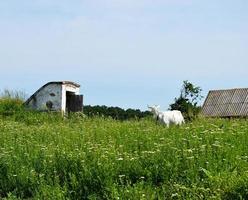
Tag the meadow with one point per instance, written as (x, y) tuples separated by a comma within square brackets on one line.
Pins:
[(45, 156)]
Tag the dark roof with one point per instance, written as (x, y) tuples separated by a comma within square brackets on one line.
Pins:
[(52, 82), (62, 83), (226, 103)]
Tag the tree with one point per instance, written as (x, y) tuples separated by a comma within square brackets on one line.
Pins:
[(188, 101), (115, 112)]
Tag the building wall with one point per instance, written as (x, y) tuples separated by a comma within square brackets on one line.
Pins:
[(48, 98)]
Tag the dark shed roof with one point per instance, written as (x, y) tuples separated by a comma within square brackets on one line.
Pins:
[(226, 103), (63, 83)]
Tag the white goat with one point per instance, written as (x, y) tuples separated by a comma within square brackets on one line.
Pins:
[(167, 117)]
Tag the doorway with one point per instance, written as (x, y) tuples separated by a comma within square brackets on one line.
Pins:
[(74, 103)]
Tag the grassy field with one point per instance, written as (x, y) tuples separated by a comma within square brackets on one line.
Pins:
[(43, 156)]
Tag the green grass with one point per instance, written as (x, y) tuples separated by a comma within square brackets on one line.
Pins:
[(44, 156)]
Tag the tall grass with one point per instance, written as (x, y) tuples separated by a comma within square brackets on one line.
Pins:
[(13, 94), (11, 102), (45, 156)]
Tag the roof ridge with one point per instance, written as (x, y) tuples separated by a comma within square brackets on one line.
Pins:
[(230, 89)]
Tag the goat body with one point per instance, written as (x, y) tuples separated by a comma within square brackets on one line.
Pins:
[(167, 117)]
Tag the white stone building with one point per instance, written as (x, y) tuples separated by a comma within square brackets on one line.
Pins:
[(57, 96)]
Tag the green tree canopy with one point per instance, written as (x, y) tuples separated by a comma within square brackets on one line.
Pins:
[(188, 100)]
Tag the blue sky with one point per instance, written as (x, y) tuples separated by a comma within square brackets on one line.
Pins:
[(124, 53)]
